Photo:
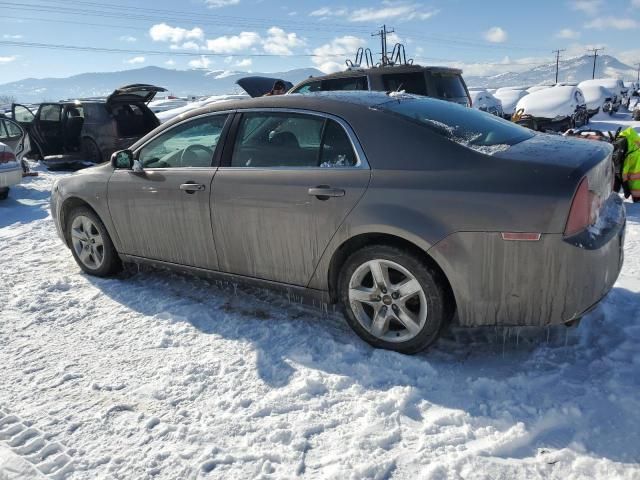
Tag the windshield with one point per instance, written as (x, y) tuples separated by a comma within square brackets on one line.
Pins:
[(472, 128)]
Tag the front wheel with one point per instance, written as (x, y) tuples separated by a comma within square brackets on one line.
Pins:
[(4, 193), (90, 243), (392, 299), (90, 151)]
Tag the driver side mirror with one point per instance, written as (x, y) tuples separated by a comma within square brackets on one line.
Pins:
[(122, 160)]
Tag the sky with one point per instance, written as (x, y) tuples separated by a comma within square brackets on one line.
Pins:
[(483, 38)]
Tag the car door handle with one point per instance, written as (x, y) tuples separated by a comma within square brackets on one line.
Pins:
[(192, 187), (324, 192)]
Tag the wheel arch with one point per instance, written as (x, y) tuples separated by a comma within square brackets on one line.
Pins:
[(67, 206), (357, 242)]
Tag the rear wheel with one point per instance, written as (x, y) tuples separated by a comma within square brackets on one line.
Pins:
[(90, 243), (90, 151), (392, 299), (4, 193)]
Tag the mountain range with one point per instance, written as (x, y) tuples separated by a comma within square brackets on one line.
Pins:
[(181, 83), (574, 69), (200, 82)]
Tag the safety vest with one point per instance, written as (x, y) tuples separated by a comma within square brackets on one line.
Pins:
[(631, 168)]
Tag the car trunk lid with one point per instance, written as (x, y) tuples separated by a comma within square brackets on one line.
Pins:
[(136, 93)]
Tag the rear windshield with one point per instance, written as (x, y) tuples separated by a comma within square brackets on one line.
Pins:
[(447, 85), (412, 82), (469, 127)]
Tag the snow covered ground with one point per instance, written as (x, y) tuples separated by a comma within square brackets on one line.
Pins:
[(157, 375)]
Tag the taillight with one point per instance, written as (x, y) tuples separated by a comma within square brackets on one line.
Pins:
[(6, 157), (583, 211)]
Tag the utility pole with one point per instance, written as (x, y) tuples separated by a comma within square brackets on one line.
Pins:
[(595, 56), (382, 33), (638, 72), (557, 52)]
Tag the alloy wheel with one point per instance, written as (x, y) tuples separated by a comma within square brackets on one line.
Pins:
[(388, 300), (87, 242)]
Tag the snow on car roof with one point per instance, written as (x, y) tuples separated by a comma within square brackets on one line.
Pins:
[(549, 103)]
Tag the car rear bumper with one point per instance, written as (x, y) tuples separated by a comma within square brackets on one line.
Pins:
[(530, 283), (10, 176)]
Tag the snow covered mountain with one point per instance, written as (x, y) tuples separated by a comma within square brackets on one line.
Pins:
[(571, 70), (178, 82)]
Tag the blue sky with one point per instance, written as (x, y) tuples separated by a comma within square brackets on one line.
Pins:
[(481, 37)]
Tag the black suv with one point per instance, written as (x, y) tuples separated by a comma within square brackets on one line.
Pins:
[(89, 130), (438, 82)]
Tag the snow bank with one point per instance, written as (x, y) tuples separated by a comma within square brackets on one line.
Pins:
[(152, 374)]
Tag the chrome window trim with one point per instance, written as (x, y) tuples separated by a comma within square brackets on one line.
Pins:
[(362, 162)]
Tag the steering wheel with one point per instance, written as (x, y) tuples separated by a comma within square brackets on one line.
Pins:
[(189, 155)]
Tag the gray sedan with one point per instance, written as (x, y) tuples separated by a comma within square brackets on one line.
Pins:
[(409, 212)]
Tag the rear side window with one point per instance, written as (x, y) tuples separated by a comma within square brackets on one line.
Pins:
[(348, 83), (413, 82), (447, 86), (472, 128), (291, 140)]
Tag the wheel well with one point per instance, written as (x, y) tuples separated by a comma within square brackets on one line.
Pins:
[(68, 205), (360, 241)]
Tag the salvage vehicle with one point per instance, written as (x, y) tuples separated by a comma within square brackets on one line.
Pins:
[(482, 100), (437, 82), (617, 89), (303, 193), (14, 136), (597, 98), (89, 130), (555, 109), (10, 170), (509, 97)]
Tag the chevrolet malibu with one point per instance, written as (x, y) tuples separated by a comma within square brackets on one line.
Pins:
[(410, 212)]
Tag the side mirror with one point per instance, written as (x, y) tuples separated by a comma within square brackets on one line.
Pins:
[(122, 160)]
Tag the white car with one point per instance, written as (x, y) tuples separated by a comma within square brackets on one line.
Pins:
[(509, 98), (555, 108), (169, 114), (597, 98), (482, 100), (620, 92), (535, 88), (164, 104), (10, 170)]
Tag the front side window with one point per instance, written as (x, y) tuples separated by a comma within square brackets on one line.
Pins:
[(191, 144), (291, 140), (469, 127)]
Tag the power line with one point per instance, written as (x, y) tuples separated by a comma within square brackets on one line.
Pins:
[(51, 46)]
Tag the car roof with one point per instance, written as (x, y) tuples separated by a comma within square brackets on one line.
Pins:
[(358, 72)]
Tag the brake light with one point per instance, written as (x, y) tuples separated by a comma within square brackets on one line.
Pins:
[(6, 157), (581, 214)]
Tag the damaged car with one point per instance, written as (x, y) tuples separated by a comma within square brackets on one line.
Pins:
[(303, 194), (81, 131), (509, 98), (484, 101), (597, 98), (556, 109)]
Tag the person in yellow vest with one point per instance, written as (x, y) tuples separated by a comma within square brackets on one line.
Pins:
[(631, 167)]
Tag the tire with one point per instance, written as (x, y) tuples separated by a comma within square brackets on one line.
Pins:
[(4, 194), (427, 307), (91, 244), (91, 151)]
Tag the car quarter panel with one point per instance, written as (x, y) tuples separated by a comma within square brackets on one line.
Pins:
[(534, 283)]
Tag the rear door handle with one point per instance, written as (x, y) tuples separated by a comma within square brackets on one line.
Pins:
[(324, 192), (191, 187)]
